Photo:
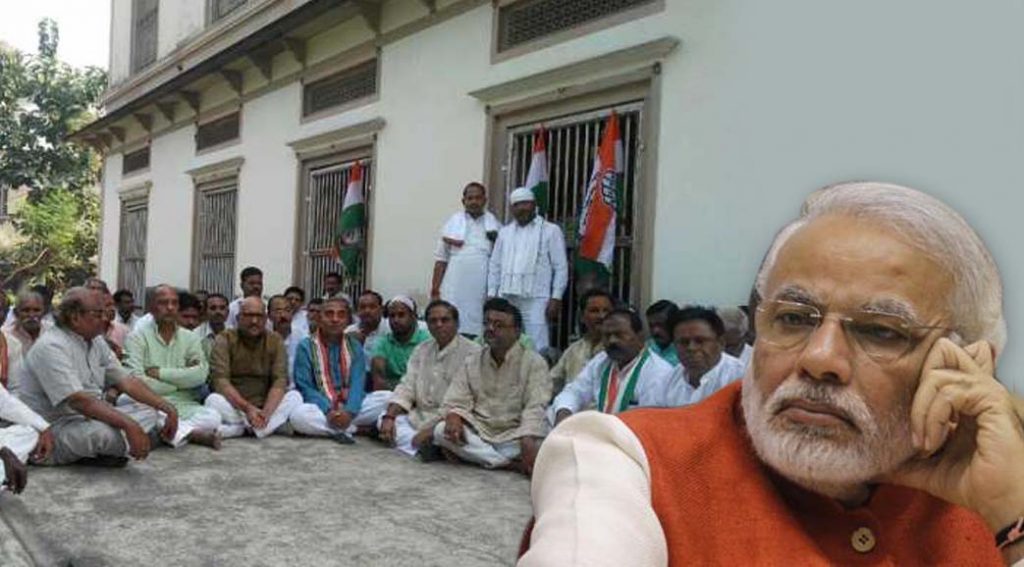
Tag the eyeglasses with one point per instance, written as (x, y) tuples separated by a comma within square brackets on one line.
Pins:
[(884, 337)]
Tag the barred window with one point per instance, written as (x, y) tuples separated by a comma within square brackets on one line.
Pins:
[(131, 273), (340, 88), (135, 161), (145, 16), (220, 9), (213, 263), (529, 20), (323, 195), (217, 131), (572, 143)]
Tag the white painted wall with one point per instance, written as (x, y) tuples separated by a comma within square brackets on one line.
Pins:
[(762, 103)]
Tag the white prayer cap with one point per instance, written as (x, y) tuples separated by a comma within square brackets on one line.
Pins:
[(520, 195), (404, 300)]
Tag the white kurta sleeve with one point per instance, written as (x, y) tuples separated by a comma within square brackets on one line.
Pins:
[(15, 411), (592, 498), (559, 262), (579, 393), (441, 253), (494, 266)]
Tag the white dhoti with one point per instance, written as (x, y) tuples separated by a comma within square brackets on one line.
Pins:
[(21, 440), (309, 419), (535, 321), (478, 451), (204, 419), (404, 433), (235, 423), (465, 287)]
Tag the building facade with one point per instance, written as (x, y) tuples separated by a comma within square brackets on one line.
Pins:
[(231, 128)]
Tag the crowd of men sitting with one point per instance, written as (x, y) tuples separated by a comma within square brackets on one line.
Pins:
[(94, 382)]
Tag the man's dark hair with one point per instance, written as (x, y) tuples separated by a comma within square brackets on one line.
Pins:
[(123, 293), (274, 298), (474, 184), (698, 313), (597, 292), (629, 314), (250, 271), (502, 305), (380, 298), (298, 290), (452, 310), (187, 300), (662, 306), (316, 301), (94, 281), (217, 295), (334, 275)]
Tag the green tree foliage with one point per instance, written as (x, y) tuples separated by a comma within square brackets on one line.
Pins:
[(42, 101)]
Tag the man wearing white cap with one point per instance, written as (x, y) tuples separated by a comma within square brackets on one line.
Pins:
[(461, 258), (529, 266)]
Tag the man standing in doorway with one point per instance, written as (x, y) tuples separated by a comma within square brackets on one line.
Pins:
[(529, 267), (462, 256)]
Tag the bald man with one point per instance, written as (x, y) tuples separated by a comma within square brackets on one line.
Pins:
[(249, 372)]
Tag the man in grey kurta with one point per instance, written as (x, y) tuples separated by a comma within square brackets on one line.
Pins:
[(414, 408), (494, 408), (68, 370)]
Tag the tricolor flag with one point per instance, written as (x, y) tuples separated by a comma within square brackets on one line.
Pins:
[(348, 240), (596, 248), (537, 178)]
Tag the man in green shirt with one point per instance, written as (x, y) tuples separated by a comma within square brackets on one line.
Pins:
[(248, 369), (169, 359), (391, 353)]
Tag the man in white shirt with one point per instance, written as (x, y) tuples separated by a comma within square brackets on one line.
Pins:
[(22, 334), (125, 301), (296, 297), (529, 267), (703, 366), (372, 324), (737, 325), (626, 375), (462, 256), (252, 286), (280, 314)]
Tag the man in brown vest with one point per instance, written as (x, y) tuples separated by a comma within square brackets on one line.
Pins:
[(871, 429)]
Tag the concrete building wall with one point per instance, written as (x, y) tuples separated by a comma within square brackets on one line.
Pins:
[(760, 105)]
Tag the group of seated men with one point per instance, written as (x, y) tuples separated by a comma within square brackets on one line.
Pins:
[(95, 383)]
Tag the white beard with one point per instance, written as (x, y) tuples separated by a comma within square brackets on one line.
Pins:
[(815, 457)]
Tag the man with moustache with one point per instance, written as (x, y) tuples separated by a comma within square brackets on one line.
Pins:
[(595, 305), (216, 315), (870, 429), (20, 336), (699, 337), (627, 375)]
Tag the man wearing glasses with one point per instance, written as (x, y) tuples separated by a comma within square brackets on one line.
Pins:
[(705, 367), (68, 369), (870, 430)]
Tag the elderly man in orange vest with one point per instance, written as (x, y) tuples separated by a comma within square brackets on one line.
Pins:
[(869, 430)]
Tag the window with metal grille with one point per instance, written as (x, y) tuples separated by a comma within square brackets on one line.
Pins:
[(213, 264), (145, 15), (131, 273), (219, 9), (324, 192), (572, 143), (135, 161), (340, 88), (217, 132), (526, 21)]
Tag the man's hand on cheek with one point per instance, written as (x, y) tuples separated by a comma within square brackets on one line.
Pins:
[(968, 433)]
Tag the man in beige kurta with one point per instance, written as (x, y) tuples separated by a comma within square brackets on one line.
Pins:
[(415, 405), (494, 408), (595, 305)]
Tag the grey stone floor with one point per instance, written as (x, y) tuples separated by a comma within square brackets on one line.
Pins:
[(281, 501)]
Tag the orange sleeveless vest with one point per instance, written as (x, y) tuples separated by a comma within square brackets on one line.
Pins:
[(719, 505)]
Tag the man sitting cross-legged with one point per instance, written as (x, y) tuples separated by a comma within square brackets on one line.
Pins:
[(414, 408), (330, 373), (626, 375), (494, 408), (249, 376), (67, 370), (170, 360)]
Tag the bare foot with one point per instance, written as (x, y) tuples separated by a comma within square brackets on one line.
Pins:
[(205, 438)]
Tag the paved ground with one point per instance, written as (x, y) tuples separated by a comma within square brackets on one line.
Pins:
[(277, 502)]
